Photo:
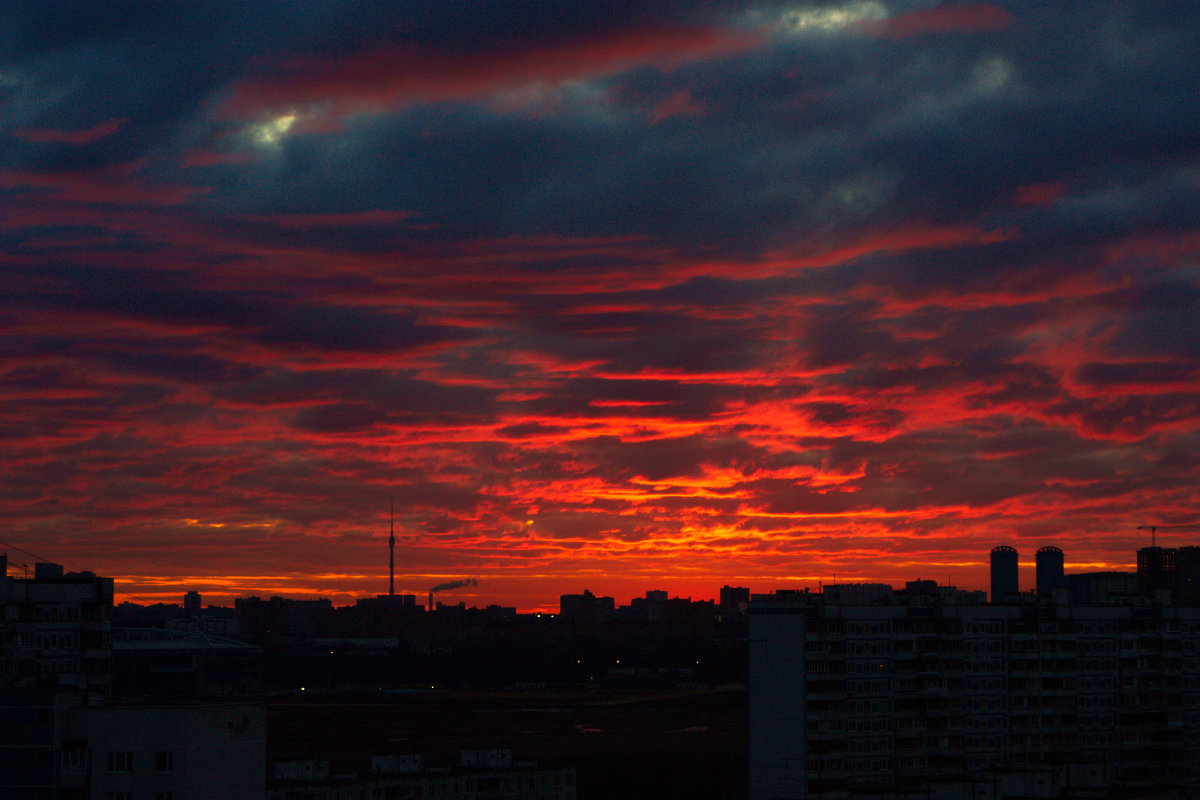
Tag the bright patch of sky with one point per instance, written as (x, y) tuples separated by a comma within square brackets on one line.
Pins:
[(992, 74), (542, 99), (271, 131), (828, 18)]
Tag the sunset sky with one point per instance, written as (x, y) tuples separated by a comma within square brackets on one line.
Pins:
[(606, 295)]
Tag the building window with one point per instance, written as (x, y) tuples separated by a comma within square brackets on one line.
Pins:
[(74, 758), (120, 761), (164, 761)]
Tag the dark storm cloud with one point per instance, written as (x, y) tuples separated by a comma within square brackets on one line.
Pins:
[(820, 141), (184, 367), (352, 329), (531, 429), (1160, 319), (1131, 416), (145, 294), (941, 467), (275, 318), (362, 390), (151, 65), (667, 277), (631, 342), (1145, 372), (663, 459), (869, 417), (857, 151), (158, 66)]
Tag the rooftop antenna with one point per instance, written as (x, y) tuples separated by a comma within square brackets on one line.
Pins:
[(392, 549)]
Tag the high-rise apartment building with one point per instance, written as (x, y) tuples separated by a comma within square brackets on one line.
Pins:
[(1170, 568), (929, 692), (56, 631), (1156, 569), (63, 737), (1187, 575), (1050, 575), (1004, 573)]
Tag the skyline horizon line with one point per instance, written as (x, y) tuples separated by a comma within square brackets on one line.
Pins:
[(350, 587)]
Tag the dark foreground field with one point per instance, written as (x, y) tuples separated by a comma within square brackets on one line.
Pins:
[(624, 745)]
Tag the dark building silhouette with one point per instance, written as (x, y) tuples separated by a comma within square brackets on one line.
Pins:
[(1155, 569), (166, 663), (1101, 588), (191, 603), (929, 692), (480, 773), (1004, 572), (47, 571), (1175, 569), (586, 608), (56, 632), (1050, 575), (734, 600), (650, 608), (280, 620), (62, 736), (1187, 576)]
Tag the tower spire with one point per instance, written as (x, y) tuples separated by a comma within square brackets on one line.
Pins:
[(392, 548)]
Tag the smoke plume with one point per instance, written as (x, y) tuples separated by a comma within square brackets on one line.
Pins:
[(441, 587)]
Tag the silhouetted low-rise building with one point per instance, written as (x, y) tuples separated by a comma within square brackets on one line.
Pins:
[(166, 751), (488, 774), (283, 621), (167, 663), (586, 608), (1102, 588), (733, 601)]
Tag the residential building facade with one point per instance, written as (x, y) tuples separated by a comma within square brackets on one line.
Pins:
[(930, 692)]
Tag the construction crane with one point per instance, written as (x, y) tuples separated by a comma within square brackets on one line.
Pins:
[(1155, 528)]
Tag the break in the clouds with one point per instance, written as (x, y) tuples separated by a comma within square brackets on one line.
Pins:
[(621, 295)]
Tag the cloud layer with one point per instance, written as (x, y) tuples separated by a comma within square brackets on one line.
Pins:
[(629, 296)]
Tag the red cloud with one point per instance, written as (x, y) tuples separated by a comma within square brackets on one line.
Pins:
[(1039, 194), (88, 136), (681, 102), (398, 75), (942, 19), (118, 185), (916, 235), (208, 158), (340, 220)]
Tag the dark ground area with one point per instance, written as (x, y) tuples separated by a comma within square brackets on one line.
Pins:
[(624, 745)]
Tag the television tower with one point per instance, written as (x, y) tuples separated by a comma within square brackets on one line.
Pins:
[(392, 549)]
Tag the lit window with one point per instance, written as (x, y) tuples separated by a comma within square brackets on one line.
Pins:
[(164, 762)]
